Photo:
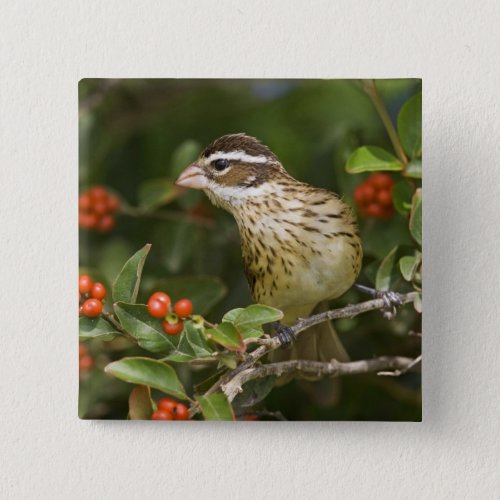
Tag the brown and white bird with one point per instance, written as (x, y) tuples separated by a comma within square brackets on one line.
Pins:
[(300, 244)]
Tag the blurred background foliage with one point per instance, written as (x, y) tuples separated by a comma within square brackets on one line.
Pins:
[(135, 138)]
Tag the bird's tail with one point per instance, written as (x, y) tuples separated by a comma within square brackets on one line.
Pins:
[(318, 343)]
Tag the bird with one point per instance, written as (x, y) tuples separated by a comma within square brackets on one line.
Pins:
[(300, 244)]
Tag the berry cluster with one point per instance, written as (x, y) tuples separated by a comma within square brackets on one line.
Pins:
[(160, 307), (169, 409), (97, 208), (86, 361), (90, 296), (374, 196)]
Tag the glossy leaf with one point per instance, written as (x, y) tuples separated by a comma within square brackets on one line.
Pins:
[(146, 371), (408, 265), (192, 345), (401, 197), (371, 158), (386, 271), (254, 391), (148, 332), (203, 291), (140, 406), (410, 126), (249, 320), (416, 217), (227, 335), (414, 169), (156, 192), (215, 407), (126, 285), (92, 328)]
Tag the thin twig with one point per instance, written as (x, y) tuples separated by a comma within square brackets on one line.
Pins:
[(371, 89), (270, 344), (170, 215), (333, 368), (398, 372)]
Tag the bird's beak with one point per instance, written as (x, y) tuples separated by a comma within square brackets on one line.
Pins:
[(193, 177)]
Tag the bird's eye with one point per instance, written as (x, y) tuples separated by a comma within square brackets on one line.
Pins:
[(221, 164)]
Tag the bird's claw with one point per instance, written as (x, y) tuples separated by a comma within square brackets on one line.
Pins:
[(392, 300), (285, 335)]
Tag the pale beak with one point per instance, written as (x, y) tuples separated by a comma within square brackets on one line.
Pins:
[(193, 177)]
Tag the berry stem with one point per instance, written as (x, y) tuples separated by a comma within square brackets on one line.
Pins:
[(371, 89), (167, 215)]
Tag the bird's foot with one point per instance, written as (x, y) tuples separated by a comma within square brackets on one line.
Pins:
[(392, 300), (285, 335)]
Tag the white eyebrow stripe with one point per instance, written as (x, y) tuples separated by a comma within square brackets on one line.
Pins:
[(237, 155)]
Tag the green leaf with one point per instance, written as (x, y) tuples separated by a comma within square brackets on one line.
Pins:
[(203, 291), (386, 271), (408, 266), (92, 328), (140, 406), (184, 352), (197, 339), (416, 217), (371, 158), (414, 169), (254, 391), (185, 154), (146, 371), (228, 336), (401, 197), (228, 360), (156, 192), (192, 345), (148, 332), (410, 126), (215, 407), (249, 320), (126, 285)]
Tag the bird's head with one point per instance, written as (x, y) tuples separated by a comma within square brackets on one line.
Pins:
[(232, 169)]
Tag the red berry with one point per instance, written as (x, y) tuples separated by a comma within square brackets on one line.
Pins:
[(162, 415), (98, 193), (113, 203), (84, 202), (162, 297), (100, 207), (167, 404), (183, 308), (181, 412), (86, 362), (381, 181), (365, 194), (85, 283), (106, 223), (92, 308), (156, 308), (384, 197), (87, 220), (98, 291), (172, 328), (374, 210)]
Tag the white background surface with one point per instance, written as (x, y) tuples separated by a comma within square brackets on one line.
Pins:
[(46, 47)]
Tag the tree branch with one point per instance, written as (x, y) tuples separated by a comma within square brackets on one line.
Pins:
[(270, 344), (333, 368)]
